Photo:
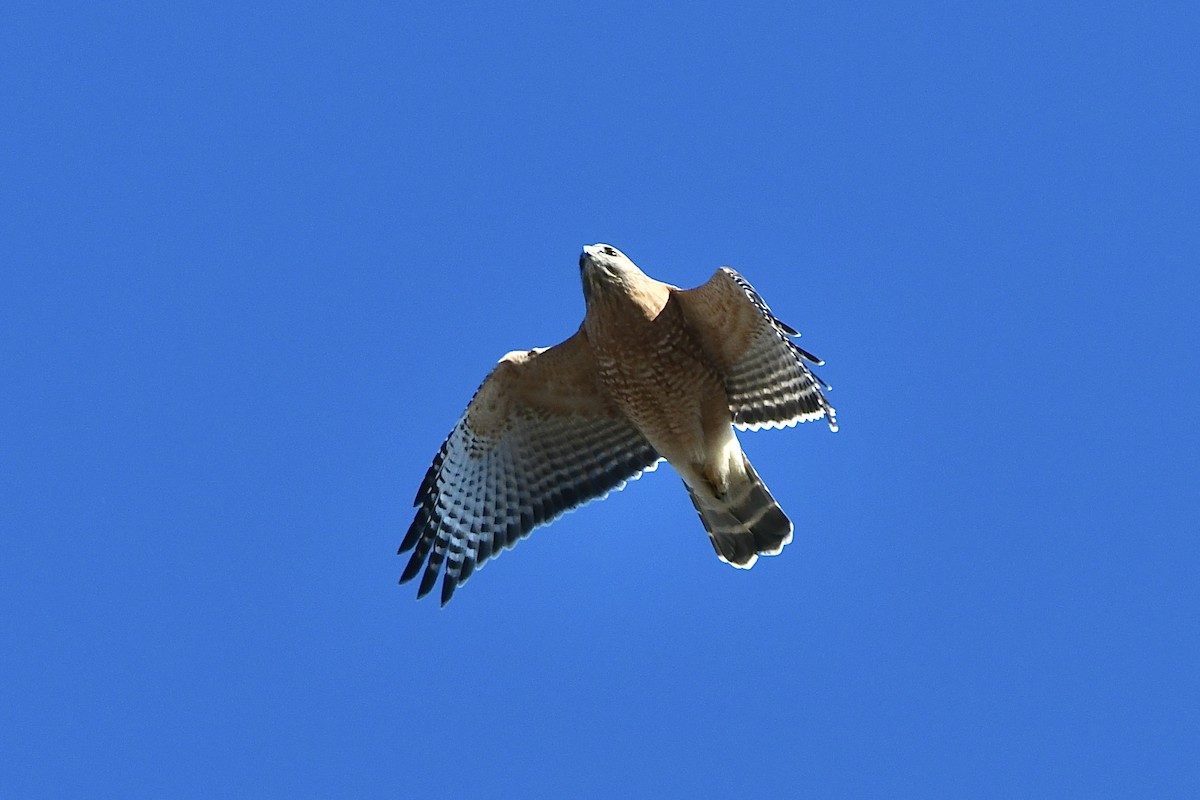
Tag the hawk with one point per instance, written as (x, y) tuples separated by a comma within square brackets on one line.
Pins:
[(654, 373)]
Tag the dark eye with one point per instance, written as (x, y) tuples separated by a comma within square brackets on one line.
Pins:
[(608, 251)]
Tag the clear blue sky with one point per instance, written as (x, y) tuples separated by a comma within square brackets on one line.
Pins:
[(257, 258)]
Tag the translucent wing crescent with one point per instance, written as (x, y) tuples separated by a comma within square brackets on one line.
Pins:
[(767, 376), (537, 440)]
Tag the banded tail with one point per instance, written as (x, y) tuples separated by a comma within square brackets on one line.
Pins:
[(745, 522)]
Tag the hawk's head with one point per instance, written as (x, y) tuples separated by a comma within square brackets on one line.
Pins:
[(604, 266)]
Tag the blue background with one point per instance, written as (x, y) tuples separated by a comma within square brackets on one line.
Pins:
[(257, 258)]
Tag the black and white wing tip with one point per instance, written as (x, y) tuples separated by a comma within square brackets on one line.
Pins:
[(471, 508)]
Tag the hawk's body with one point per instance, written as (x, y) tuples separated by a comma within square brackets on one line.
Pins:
[(654, 372)]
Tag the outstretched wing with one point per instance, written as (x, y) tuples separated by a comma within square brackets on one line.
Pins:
[(767, 379), (538, 439)]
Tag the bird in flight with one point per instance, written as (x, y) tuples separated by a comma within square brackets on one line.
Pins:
[(654, 373)]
